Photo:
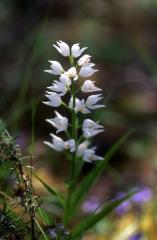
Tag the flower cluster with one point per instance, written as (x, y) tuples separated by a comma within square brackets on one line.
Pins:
[(66, 84)]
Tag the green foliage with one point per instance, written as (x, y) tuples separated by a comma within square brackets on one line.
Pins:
[(51, 190), (82, 189), (93, 219), (41, 229), (12, 226), (28, 200)]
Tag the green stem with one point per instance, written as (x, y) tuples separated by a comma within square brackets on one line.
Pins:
[(72, 172), (32, 229), (71, 60), (73, 159)]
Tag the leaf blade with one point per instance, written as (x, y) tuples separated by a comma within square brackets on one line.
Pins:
[(93, 176), (41, 230), (90, 221), (51, 190)]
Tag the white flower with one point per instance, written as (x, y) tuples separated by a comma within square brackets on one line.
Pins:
[(84, 60), (58, 87), (76, 51), (70, 144), (65, 80), (81, 148), (54, 99), (89, 86), (57, 143), (87, 70), (79, 106), (92, 100), (56, 68), (59, 122), (91, 128), (62, 86), (72, 73), (89, 155), (62, 48)]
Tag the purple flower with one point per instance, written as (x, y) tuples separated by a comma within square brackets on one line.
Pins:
[(123, 208), (92, 204), (136, 236), (143, 196), (140, 198), (53, 234)]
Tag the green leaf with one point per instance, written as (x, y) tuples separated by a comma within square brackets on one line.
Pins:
[(51, 190), (2, 127), (93, 219), (79, 193), (40, 228), (43, 215)]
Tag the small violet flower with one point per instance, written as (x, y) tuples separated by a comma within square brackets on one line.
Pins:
[(137, 236), (123, 208), (143, 196), (91, 205), (139, 199)]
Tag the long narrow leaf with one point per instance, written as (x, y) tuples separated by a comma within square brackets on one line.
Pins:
[(41, 230), (92, 177), (90, 221), (43, 215), (51, 190)]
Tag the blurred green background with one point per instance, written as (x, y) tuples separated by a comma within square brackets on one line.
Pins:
[(121, 36)]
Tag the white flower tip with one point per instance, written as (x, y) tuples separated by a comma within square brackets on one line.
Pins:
[(48, 120), (47, 143), (48, 71), (52, 135), (45, 103)]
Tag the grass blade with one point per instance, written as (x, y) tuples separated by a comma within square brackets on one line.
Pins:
[(83, 188), (90, 221), (43, 215), (41, 230), (51, 190)]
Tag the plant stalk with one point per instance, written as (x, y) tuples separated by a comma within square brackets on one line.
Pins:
[(32, 228)]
